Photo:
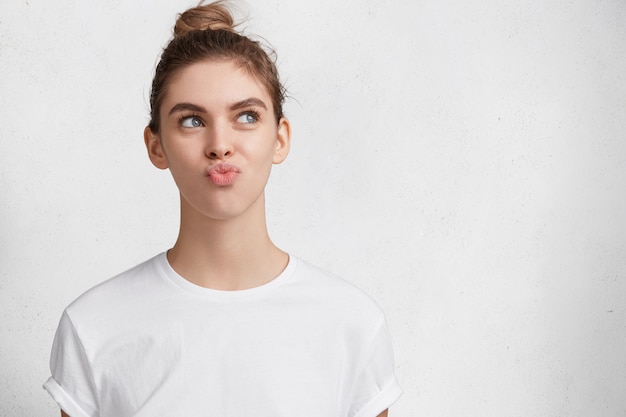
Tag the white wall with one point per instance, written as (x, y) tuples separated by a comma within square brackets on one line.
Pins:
[(463, 162)]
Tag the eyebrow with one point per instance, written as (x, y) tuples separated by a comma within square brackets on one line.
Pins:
[(249, 102), (187, 106)]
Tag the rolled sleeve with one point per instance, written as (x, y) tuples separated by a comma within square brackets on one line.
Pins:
[(376, 388), (71, 384)]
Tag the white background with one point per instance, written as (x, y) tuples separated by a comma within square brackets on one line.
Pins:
[(462, 162)]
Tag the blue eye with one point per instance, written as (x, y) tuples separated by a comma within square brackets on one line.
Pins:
[(191, 122), (248, 117)]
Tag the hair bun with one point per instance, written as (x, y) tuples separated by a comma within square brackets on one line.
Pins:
[(214, 16)]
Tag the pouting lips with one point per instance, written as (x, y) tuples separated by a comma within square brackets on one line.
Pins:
[(223, 174)]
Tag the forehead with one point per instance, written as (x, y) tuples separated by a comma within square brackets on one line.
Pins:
[(214, 83)]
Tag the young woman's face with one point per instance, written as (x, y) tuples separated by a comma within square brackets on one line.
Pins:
[(219, 138)]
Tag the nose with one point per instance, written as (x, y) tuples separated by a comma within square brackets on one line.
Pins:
[(219, 144)]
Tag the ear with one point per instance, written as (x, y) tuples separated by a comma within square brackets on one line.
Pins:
[(155, 150), (283, 141)]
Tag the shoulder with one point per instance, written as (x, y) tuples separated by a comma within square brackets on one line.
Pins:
[(337, 293), (119, 291)]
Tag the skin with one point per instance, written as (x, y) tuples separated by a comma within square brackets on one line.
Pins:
[(214, 112), (223, 241)]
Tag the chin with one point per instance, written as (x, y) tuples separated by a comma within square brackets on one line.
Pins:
[(228, 211), (223, 207)]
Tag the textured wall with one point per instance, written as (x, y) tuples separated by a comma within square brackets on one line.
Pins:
[(463, 162)]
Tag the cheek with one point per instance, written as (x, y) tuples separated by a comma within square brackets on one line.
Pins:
[(261, 148), (183, 150), (260, 158)]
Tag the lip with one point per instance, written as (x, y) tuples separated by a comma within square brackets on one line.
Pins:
[(223, 174)]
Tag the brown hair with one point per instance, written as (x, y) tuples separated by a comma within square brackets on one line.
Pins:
[(208, 32)]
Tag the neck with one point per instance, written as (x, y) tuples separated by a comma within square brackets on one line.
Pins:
[(231, 254)]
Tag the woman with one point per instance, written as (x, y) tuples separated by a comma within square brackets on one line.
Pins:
[(224, 323)]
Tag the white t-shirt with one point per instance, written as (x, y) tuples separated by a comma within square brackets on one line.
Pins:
[(149, 343)]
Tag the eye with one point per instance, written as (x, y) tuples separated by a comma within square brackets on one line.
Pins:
[(248, 117), (191, 121)]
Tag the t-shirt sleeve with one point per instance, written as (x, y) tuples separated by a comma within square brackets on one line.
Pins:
[(376, 387), (71, 384)]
